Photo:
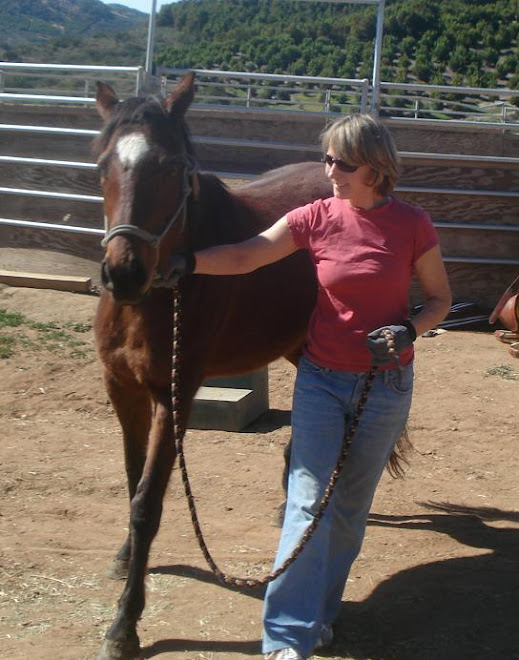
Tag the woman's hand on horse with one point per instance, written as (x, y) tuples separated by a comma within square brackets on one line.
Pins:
[(383, 352), (179, 265)]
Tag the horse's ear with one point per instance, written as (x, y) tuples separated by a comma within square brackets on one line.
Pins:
[(182, 96), (106, 100)]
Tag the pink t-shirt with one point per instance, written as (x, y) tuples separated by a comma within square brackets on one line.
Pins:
[(364, 263)]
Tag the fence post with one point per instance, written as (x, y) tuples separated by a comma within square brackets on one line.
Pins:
[(327, 100), (139, 80), (364, 95), (377, 57)]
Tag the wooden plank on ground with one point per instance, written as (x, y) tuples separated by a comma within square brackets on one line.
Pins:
[(46, 281)]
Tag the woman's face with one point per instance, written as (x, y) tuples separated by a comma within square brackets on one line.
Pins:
[(347, 184)]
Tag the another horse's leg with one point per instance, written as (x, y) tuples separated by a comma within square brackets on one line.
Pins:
[(122, 642), (131, 402)]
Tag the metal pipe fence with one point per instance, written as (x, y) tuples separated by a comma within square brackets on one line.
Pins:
[(71, 84), (261, 90), (48, 82)]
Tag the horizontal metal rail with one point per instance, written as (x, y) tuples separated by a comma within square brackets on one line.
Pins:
[(459, 158), (47, 162), (40, 98), (68, 67), (458, 191), (71, 229), (451, 123), (474, 225), (451, 89), (21, 128), (51, 195), (217, 73), (481, 260), (251, 144)]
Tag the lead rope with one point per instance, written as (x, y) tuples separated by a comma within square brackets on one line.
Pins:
[(179, 433)]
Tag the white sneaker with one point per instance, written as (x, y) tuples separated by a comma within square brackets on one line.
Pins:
[(325, 636), (284, 654)]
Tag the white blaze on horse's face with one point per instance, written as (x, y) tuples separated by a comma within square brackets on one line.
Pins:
[(131, 149)]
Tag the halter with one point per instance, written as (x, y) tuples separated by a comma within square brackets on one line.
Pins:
[(189, 167)]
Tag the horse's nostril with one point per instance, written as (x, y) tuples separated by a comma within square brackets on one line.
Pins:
[(126, 281), (105, 277)]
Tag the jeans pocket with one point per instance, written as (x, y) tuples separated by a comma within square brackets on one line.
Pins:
[(400, 381), (310, 367)]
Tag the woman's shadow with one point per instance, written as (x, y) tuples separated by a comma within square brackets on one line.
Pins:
[(465, 608), (452, 609)]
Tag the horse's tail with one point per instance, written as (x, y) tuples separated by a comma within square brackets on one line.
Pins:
[(398, 458)]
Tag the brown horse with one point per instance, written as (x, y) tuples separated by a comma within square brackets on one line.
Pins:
[(156, 204)]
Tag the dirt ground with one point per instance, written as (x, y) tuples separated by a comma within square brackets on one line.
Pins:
[(438, 577)]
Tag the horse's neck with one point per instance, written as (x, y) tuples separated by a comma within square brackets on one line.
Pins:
[(219, 216)]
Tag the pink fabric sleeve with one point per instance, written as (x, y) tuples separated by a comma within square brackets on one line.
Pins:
[(426, 236), (300, 223)]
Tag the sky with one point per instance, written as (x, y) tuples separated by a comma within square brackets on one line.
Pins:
[(141, 5)]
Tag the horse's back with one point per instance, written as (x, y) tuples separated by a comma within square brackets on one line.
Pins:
[(285, 188)]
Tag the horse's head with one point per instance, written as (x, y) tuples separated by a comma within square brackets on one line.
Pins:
[(146, 164)]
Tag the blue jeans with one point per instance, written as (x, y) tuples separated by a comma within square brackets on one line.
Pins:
[(308, 595)]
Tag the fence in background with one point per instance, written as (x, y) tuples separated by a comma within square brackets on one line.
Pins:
[(272, 91), (463, 171), (64, 83), (343, 95), (53, 83)]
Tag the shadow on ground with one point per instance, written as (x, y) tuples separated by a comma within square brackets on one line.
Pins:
[(454, 609)]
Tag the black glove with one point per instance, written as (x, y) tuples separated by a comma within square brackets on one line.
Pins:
[(403, 337), (179, 265)]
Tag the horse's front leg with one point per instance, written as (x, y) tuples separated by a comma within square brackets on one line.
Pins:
[(132, 404), (122, 642)]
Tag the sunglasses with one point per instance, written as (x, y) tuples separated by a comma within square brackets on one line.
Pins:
[(341, 165)]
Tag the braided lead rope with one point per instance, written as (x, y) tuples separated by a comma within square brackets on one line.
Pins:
[(179, 433), (391, 348)]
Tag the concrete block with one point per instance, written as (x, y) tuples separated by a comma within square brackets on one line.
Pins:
[(230, 404)]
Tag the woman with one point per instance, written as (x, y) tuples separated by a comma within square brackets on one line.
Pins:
[(365, 245)]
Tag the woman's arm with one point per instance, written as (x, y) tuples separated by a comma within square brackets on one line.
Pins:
[(271, 245), (432, 276)]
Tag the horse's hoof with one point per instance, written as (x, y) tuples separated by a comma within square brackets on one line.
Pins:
[(120, 650), (118, 570)]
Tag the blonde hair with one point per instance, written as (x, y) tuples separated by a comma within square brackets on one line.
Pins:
[(363, 140)]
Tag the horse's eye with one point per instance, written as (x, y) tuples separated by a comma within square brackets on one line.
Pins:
[(169, 165)]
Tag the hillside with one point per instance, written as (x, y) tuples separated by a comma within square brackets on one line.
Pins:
[(469, 42), (69, 31)]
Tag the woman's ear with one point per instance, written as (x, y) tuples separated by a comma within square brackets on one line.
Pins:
[(373, 178)]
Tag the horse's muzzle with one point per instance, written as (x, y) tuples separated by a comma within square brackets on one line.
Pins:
[(127, 282)]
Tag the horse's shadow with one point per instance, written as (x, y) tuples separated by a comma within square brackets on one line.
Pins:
[(453, 609)]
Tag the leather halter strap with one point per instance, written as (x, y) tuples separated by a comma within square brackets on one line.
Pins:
[(189, 168)]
